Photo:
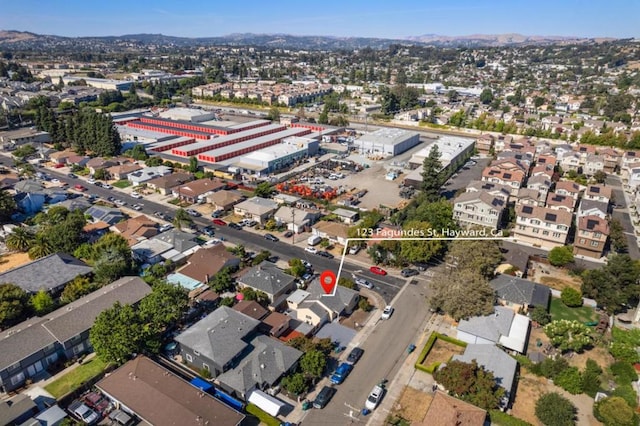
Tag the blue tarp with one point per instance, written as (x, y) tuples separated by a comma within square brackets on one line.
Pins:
[(228, 399), (201, 384)]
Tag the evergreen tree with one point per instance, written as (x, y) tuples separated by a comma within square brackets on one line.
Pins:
[(432, 175)]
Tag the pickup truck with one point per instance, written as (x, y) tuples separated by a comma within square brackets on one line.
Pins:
[(82, 412)]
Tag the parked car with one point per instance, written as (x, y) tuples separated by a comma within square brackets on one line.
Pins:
[(323, 397), (311, 250), (288, 234), (135, 195), (165, 227), (374, 397), (355, 355), (92, 181), (54, 180), (217, 213), (235, 226), (72, 176), (388, 311), (80, 188), (119, 202), (219, 222), (137, 207), (272, 259), (307, 265), (271, 237), (82, 412), (408, 272), (325, 254), (378, 270), (107, 186), (208, 231), (194, 213), (354, 249), (341, 373), (364, 283)]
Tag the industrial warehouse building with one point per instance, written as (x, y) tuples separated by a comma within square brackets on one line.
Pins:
[(387, 142), (276, 157)]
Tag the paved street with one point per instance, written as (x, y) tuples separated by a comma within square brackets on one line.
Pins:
[(622, 214), (385, 351)]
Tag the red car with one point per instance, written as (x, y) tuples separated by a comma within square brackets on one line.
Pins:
[(80, 188), (377, 270), (219, 222)]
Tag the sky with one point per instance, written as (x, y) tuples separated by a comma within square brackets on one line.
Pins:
[(373, 18)]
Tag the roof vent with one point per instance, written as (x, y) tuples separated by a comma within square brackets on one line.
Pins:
[(262, 366)]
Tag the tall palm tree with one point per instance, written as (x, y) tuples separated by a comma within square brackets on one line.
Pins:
[(40, 248), (181, 218), (20, 239)]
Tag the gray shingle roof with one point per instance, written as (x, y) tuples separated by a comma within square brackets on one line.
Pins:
[(219, 336), (492, 359), (489, 327), (268, 360), (49, 273), (268, 278), (14, 408), (106, 214), (593, 204), (36, 334), (180, 240), (521, 291), (336, 303)]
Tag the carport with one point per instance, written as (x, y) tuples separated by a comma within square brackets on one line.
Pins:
[(337, 333)]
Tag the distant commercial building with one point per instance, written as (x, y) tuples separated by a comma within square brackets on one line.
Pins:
[(276, 157), (100, 83), (454, 151), (188, 114), (387, 141), (15, 138)]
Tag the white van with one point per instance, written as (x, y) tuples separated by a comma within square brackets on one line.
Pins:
[(313, 240)]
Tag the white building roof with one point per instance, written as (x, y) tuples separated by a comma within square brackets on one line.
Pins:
[(449, 146), (387, 136), (518, 334)]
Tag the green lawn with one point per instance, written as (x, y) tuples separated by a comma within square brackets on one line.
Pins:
[(582, 314), (122, 183), (264, 417), (76, 378)]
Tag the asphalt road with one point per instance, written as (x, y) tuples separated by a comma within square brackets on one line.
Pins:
[(622, 214), (387, 286), (384, 351)]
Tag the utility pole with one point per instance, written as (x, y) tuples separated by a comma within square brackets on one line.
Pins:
[(293, 225)]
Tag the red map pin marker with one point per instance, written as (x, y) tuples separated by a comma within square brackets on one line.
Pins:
[(328, 281)]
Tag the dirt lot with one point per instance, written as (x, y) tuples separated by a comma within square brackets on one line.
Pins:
[(412, 405), (381, 191), (442, 352), (556, 278), (12, 260)]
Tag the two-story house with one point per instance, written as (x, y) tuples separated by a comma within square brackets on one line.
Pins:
[(592, 233), (592, 208), (494, 189), (541, 226), (479, 209), (269, 279), (568, 188), (540, 183), (256, 208), (560, 202), (599, 193), (529, 197), (513, 179)]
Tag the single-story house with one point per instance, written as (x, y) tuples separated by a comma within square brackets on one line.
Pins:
[(251, 308), (286, 199), (225, 199), (174, 245), (60, 157), (296, 220), (336, 233), (519, 293), (503, 327), (158, 397), (147, 174), (347, 216), (256, 208), (99, 163), (78, 160), (121, 171), (17, 409), (493, 359), (50, 273), (217, 341), (32, 346), (269, 279), (275, 324), (136, 229), (164, 184), (262, 368), (197, 190), (105, 214), (446, 410)]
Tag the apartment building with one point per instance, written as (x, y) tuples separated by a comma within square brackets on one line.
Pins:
[(542, 226), (592, 233), (479, 209)]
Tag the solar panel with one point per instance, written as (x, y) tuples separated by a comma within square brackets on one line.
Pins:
[(591, 224), (595, 189), (550, 217), (507, 175), (527, 209)]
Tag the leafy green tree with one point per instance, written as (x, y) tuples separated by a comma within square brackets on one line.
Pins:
[(591, 378), (116, 334), (623, 351), (222, 281), (569, 335), (432, 175), (613, 285), (193, 164), (182, 218), (482, 256), (274, 114), (561, 255), (617, 236), (540, 315), (164, 305), (347, 282), (570, 380), (102, 174), (623, 371), (313, 363), (8, 206), (295, 383), (420, 250), (111, 258), (40, 247), (296, 267), (571, 297), (462, 294), (20, 239), (255, 295), (80, 286), (364, 305), (263, 190), (615, 411), (486, 96), (628, 393), (553, 409), (153, 162), (470, 382), (227, 301), (42, 303), (13, 302)]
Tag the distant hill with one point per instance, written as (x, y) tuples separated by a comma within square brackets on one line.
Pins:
[(27, 40)]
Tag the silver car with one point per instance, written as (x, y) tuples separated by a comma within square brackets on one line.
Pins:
[(364, 283)]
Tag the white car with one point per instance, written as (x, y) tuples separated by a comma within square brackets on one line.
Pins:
[(107, 186), (91, 181), (388, 311), (120, 203), (136, 195), (54, 180), (364, 283), (311, 250), (374, 398), (165, 227), (137, 207), (307, 264)]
